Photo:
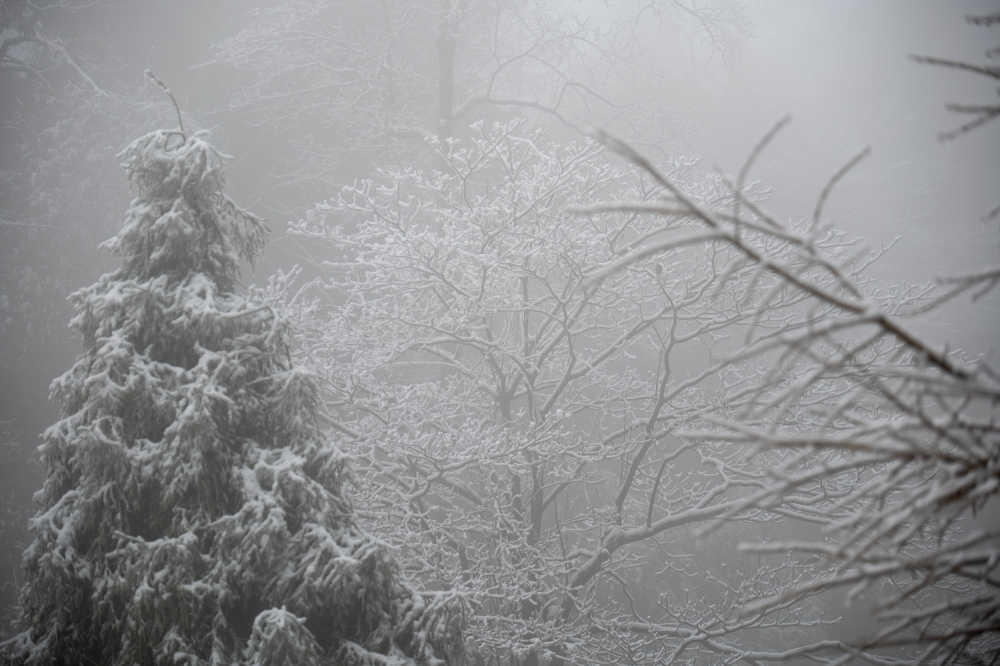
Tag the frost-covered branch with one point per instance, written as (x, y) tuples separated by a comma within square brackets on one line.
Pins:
[(897, 445)]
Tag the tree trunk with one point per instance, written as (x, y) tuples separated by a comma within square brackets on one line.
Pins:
[(446, 72)]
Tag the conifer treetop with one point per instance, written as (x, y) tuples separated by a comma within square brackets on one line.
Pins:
[(202, 230)]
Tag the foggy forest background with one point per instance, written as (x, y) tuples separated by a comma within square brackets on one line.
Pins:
[(628, 358)]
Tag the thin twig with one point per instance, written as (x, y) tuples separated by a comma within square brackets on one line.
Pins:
[(757, 150), (177, 108), (58, 47), (992, 72), (821, 202)]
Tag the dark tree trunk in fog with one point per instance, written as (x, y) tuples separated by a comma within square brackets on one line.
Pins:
[(446, 71)]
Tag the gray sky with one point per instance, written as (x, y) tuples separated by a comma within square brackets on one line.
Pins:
[(841, 69)]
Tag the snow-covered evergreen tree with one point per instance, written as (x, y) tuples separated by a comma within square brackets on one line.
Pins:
[(193, 511)]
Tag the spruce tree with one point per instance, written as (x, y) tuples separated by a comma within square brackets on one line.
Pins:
[(193, 511)]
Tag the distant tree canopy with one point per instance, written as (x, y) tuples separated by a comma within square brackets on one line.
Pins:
[(192, 509), (661, 428)]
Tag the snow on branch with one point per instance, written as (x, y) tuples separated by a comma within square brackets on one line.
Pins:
[(898, 445)]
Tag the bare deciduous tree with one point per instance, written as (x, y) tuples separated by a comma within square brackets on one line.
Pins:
[(894, 441), (517, 384)]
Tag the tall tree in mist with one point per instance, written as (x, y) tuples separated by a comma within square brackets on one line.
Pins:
[(511, 380), (192, 508), (574, 418)]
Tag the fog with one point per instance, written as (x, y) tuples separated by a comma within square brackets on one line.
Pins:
[(616, 466)]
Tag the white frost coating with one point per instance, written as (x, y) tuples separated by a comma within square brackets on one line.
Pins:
[(561, 403)]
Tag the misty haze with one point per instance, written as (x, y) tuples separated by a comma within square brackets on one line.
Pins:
[(499, 332)]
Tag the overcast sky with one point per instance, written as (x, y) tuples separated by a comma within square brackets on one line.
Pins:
[(842, 71)]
